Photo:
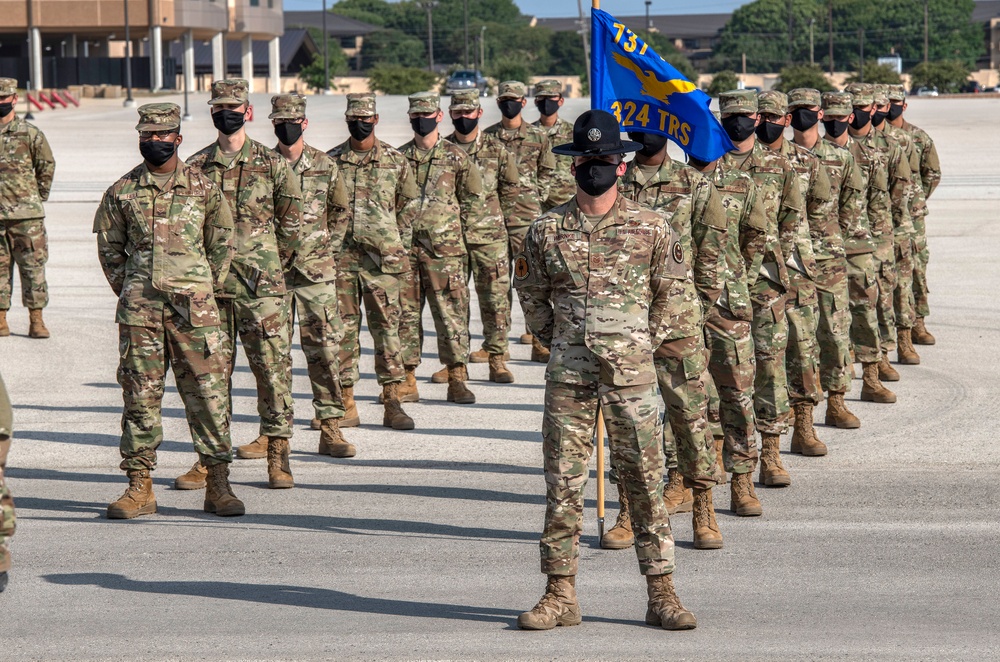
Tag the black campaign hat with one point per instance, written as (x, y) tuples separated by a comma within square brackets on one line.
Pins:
[(596, 133)]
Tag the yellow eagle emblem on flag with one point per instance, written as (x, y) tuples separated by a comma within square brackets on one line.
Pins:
[(652, 86)]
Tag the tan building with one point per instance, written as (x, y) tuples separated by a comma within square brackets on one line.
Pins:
[(96, 28)]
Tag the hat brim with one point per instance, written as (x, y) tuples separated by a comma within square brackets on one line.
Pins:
[(232, 100), (464, 106), (284, 115), (569, 149), (157, 127), (509, 95), (359, 114)]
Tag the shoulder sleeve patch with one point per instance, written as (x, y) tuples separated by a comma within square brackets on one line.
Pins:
[(521, 268)]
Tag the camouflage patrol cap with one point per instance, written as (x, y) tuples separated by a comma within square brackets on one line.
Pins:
[(772, 102), (738, 102), (424, 102), (862, 94), (287, 107), (805, 97), (897, 93), (837, 104), (360, 104), (465, 100), (511, 89), (159, 117), (549, 87), (8, 86), (880, 95), (229, 90)]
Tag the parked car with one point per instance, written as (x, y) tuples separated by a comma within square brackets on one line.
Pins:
[(971, 87), (466, 79), (927, 91)]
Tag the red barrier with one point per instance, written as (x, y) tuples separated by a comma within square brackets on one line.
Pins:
[(45, 99), (69, 97), (55, 97), (34, 103)]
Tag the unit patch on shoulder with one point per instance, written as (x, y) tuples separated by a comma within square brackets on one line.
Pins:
[(678, 252), (521, 270)]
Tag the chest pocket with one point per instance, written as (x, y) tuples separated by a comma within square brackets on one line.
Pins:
[(562, 261), (136, 223), (252, 182), (315, 184), (440, 183), (14, 152)]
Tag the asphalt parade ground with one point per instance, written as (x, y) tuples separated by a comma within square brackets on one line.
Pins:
[(424, 546)]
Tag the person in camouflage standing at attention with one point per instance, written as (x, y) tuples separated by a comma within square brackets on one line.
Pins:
[(593, 280), (862, 276), (486, 237), (8, 521), (266, 200), (165, 242), (930, 177), (451, 203), (26, 170), (802, 357), (694, 210), (784, 208), (548, 100), (536, 165), (845, 221), (373, 257)]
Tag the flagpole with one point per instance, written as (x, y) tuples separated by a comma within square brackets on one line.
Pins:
[(596, 4)]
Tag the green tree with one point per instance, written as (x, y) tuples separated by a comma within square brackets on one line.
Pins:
[(395, 79), (510, 68), (947, 76), (803, 75), (876, 73), (313, 74), (392, 46), (760, 30), (723, 81)]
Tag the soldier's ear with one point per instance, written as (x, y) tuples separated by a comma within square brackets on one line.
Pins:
[(819, 115), (524, 102), (560, 102), (375, 118), (622, 167), (305, 123), (177, 143), (249, 113), (480, 113)]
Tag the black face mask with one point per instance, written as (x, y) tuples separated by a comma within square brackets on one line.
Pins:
[(5, 109), (835, 128), (423, 126), (596, 177), (878, 117), (465, 125), (697, 163), (510, 108), (157, 153), (804, 119), (288, 133), (895, 110), (652, 143), (769, 131), (359, 129), (861, 119), (547, 106), (738, 127), (228, 121)]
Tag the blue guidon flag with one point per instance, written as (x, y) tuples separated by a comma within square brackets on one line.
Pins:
[(646, 94)]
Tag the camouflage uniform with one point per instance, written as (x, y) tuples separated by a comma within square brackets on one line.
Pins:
[(451, 203), (312, 283), (8, 522), (486, 237), (601, 332), (563, 185), (694, 210), (267, 204), (166, 253), (374, 254), (26, 170), (728, 334)]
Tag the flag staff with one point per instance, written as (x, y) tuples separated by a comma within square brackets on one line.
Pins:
[(599, 441)]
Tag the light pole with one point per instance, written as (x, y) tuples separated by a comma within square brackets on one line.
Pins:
[(129, 101), (429, 5), (649, 23), (465, 7), (326, 55), (482, 49)]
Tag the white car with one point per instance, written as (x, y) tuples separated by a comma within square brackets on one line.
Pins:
[(927, 92)]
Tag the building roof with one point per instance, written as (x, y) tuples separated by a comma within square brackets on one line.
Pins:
[(292, 44), (336, 25), (673, 26), (984, 10)]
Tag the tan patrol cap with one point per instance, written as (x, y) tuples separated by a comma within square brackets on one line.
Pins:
[(8, 86), (287, 107), (465, 100), (159, 117), (360, 104), (424, 102), (511, 89), (897, 93), (772, 102), (804, 96), (229, 90), (862, 94), (738, 102), (880, 94), (837, 104), (549, 87)]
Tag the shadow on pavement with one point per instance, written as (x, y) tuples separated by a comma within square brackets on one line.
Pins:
[(423, 465)]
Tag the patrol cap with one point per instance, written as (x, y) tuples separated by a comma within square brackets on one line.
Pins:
[(229, 90), (738, 102), (837, 104), (424, 102), (880, 94), (897, 94), (159, 117), (549, 87), (595, 133), (511, 89), (287, 107), (772, 102), (360, 104), (861, 94), (8, 86), (465, 100), (804, 97)]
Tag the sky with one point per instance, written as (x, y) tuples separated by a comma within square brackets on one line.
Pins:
[(551, 8)]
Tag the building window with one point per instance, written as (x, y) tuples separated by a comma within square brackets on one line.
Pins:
[(255, 3)]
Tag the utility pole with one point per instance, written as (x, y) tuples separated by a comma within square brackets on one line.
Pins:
[(812, 24), (789, 62), (129, 101), (326, 54), (465, 7), (861, 49), (830, 7), (482, 49), (649, 23), (429, 5), (586, 42), (926, 33)]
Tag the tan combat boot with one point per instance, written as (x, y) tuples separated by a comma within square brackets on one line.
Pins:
[(219, 497), (676, 497), (557, 607), (457, 391), (906, 353), (331, 441), (772, 472), (279, 470), (408, 389), (885, 370), (538, 352), (138, 498), (255, 450), (837, 413), (351, 418), (526, 338), (394, 416), (315, 424), (919, 335), (498, 370), (441, 376), (194, 479), (36, 327), (664, 607), (620, 535), (872, 389), (706, 529), (4, 329), (804, 439), (479, 356), (720, 467), (743, 498)]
